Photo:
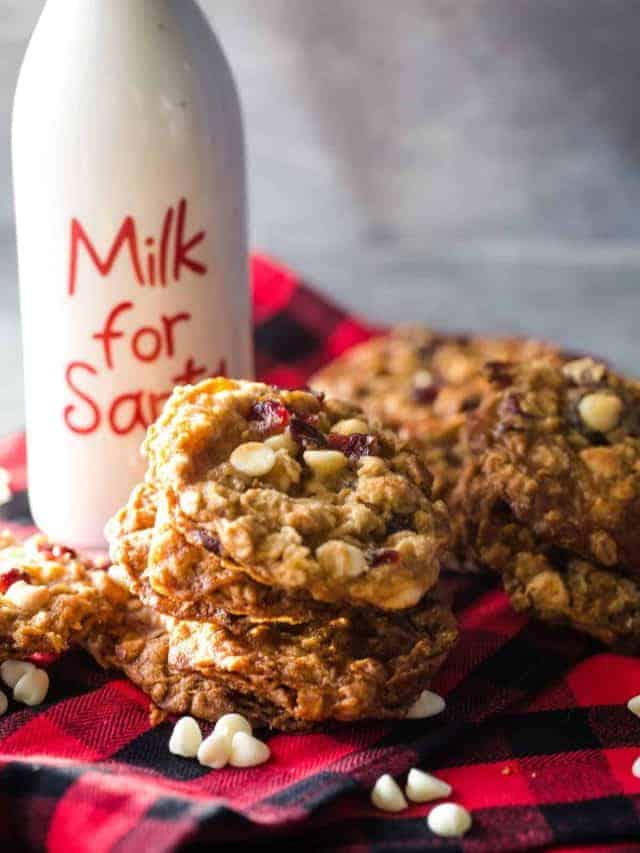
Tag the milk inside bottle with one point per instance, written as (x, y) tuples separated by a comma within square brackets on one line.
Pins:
[(129, 177)]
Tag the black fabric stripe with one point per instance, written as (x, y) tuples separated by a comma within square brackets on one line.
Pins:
[(550, 732), (169, 809), (17, 511), (150, 751), (608, 819), (532, 659), (314, 791), (499, 829), (24, 780), (284, 339)]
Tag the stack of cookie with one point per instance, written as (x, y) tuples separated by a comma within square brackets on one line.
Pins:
[(283, 557), (551, 494)]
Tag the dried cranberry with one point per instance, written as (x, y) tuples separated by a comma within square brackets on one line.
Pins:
[(305, 434), (7, 579), (209, 542), (355, 446), (427, 394), (269, 415), (388, 555), (499, 373), (470, 403)]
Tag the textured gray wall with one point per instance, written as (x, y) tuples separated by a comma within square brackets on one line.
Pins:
[(471, 163)]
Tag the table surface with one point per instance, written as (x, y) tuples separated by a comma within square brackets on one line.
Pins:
[(474, 167)]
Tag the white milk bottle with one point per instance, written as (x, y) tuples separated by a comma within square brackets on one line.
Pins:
[(129, 178)]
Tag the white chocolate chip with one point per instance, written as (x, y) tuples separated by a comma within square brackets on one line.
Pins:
[(635, 768), (634, 705), (449, 820), (186, 738), (32, 688), (12, 671), (248, 751), (284, 441), (422, 787), (342, 559), (584, 370), (215, 751), (26, 597), (600, 411), (253, 459), (351, 426), (4, 703), (423, 379), (325, 463), (428, 704), (233, 723), (190, 501), (386, 795), (119, 576)]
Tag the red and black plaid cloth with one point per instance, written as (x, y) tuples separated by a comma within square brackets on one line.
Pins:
[(536, 739)]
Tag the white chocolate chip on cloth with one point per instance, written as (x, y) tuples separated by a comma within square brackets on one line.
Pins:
[(335, 517), (49, 597)]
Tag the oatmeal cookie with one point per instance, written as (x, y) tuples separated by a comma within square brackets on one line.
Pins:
[(365, 665), (137, 644), (49, 598), (300, 493), (223, 586), (566, 590), (282, 677), (424, 384), (557, 450)]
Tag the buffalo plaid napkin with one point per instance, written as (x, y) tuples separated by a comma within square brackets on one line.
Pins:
[(536, 739)]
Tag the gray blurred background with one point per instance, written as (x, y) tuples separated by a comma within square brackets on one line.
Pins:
[(469, 163)]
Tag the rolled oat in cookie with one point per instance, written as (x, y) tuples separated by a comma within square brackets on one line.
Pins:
[(274, 485), (49, 597)]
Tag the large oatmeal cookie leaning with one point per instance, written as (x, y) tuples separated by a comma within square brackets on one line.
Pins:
[(557, 450), (300, 493), (49, 597)]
